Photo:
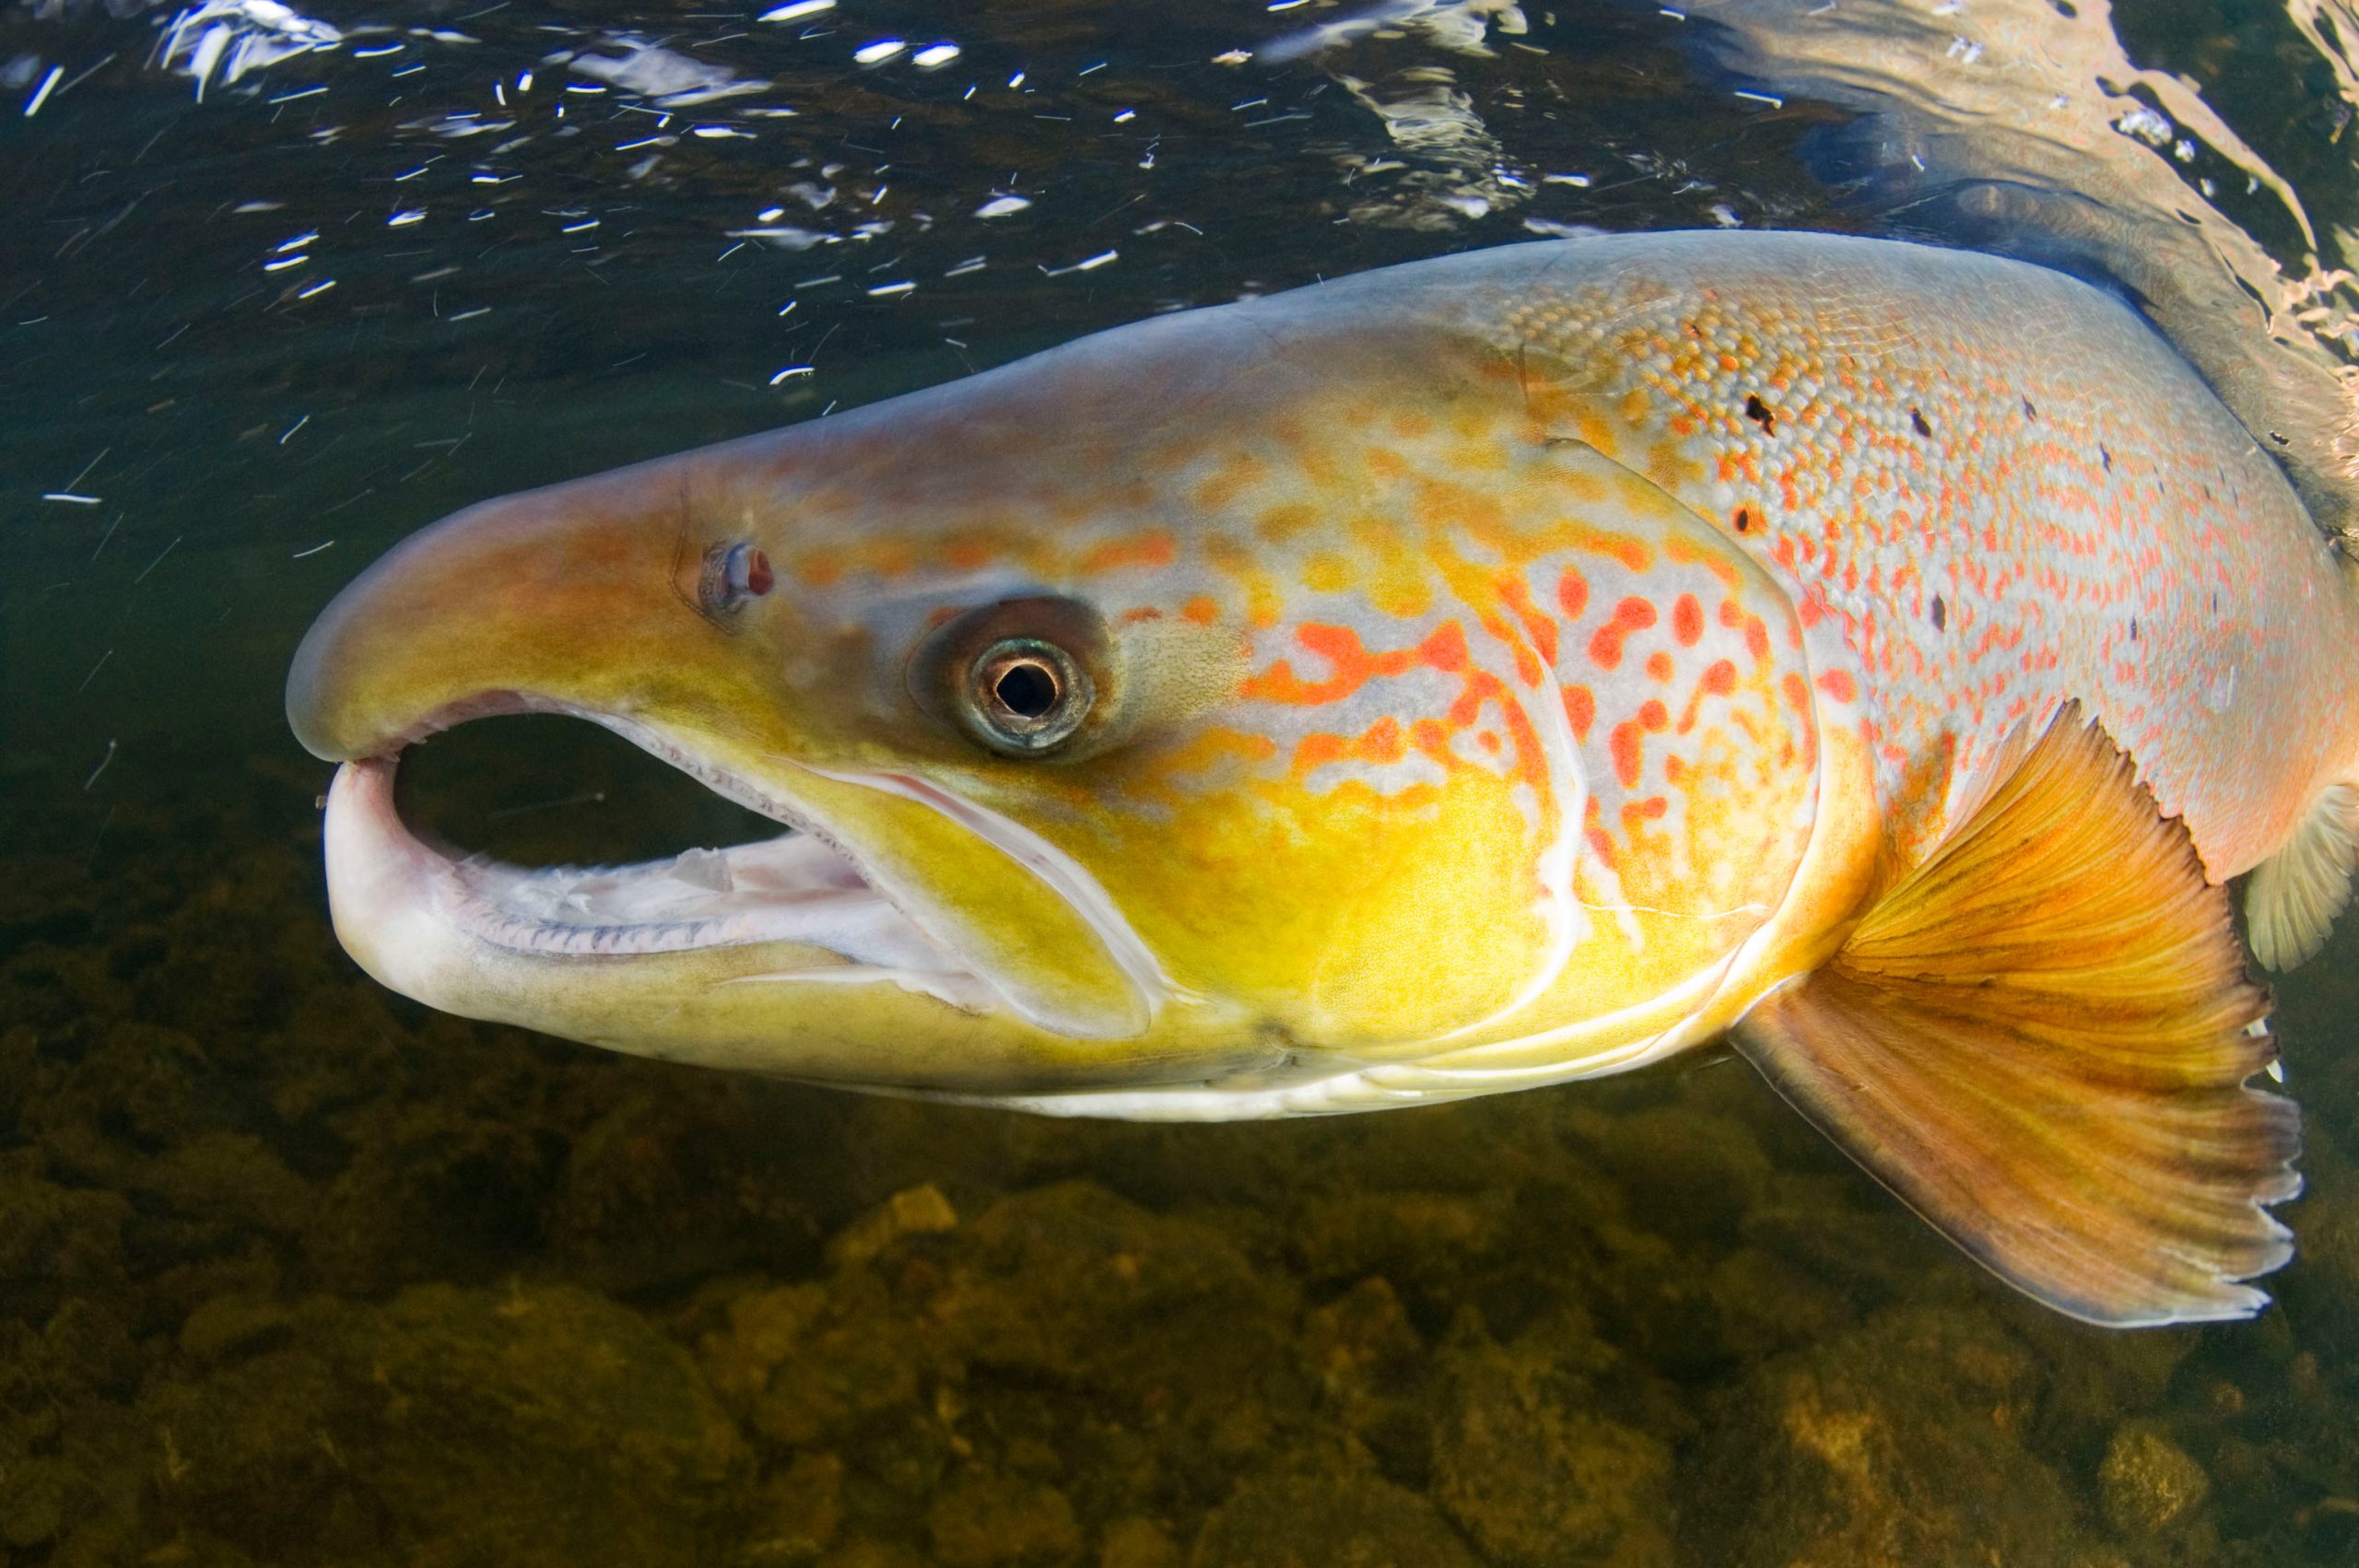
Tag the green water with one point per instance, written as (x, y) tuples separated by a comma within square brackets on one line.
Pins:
[(294, 1271)]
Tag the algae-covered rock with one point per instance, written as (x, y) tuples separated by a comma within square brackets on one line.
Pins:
[(984, 1519), (1899, 1444), (55, 1240), (449, 1426), (1135, 1542), (1071, 1283), (797, 1512), (2148, 1484), (1348, 1519), (1527, 1465)]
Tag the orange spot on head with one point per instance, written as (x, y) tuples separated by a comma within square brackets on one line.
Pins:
[(1144, 612), (1152, 548), (1200, 610)]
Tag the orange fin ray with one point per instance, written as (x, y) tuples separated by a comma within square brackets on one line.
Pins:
[(2039, 1041)]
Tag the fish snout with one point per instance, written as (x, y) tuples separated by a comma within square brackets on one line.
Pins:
[(616, 595)]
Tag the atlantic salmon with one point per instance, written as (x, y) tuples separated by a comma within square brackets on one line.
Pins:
[(1467, 675)]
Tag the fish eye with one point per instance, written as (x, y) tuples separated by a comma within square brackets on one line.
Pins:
[(1024, 696), (1022, 677)]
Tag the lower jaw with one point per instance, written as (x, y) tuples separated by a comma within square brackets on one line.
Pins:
[(416, 917), (770, 1005)]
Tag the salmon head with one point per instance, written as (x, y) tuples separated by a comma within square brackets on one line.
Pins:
[(1309, 702)]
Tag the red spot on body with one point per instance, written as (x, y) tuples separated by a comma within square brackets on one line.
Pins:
[(1572, 593), (1446, 649), (1624, 743), (1659, 665), (1687, 620), (1720, 678), (1838, 685), (1653, 716), (1796, 692), (1580, 710), (1606, 644), (1314, 750)]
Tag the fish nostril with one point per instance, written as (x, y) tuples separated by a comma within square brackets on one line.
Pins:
[(731, 575)]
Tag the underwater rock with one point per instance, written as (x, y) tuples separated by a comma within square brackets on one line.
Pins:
[(531, 1425), (1767, 1303), (1534, 1472), (1343, 1520), (1136, 1542), (2148, 1484), (798, 1512), (916, 1211), (55, 1241), (1072, 1284), (984, 1519), (806, 1364), (1899, 1444)]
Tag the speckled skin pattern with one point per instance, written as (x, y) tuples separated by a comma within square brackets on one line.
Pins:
[(1518, 662), (1989, 488)]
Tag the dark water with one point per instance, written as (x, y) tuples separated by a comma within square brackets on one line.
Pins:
[(292, 1271)]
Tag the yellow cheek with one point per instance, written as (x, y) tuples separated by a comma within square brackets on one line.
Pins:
[(1353, 920)]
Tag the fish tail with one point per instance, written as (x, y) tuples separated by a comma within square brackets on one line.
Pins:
[(2293, 897)]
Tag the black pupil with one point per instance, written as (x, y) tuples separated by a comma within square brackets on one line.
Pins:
[(1027, 690)]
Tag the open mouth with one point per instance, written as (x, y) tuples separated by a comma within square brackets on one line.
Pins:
[(797, 888)]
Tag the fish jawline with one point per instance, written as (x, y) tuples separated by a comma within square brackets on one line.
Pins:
[(409, 910)]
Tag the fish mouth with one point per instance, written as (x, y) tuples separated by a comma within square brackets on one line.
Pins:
[(799, 890), (795, 953)]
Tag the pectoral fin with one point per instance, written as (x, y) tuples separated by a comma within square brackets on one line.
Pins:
[(2039, 1041)]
